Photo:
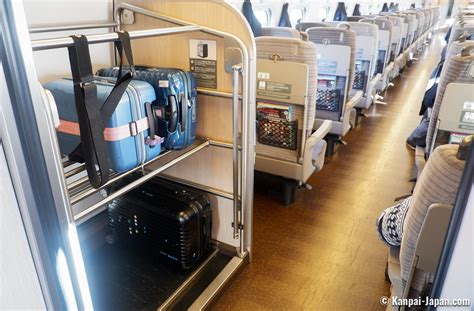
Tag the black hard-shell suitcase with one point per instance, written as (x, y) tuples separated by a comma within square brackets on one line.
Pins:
[(175, 221)]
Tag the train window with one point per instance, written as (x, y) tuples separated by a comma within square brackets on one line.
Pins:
[(327, 17), (297, 15), (321, 14), (264, 17)]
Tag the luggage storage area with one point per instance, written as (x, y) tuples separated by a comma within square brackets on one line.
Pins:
[(156, 189), (125, 275)]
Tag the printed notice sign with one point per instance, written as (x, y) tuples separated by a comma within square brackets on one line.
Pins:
[(274, 89), (203, 62)]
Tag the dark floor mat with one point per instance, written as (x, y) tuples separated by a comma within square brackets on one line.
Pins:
[(122, 278)]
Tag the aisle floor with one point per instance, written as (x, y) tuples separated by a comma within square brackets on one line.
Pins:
[(322, 252)]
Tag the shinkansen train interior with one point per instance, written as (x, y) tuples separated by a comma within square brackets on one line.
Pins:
[(236, 155)]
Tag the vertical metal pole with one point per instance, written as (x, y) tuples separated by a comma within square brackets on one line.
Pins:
[(303, 133), (236, 70)]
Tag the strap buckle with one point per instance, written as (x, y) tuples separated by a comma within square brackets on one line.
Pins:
[(85, 81), (133, 128)]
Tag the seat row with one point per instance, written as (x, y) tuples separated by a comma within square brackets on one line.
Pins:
[(415, 227), (315, 81)]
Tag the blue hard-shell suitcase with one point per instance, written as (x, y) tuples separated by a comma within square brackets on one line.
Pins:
[(176, 100), (123, 154)]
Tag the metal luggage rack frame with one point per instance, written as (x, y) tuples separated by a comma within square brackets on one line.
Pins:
[(80, 188)]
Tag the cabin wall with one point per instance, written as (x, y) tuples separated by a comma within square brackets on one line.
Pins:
[(17, 267), (53, 64), (456, 284), (19, 284)]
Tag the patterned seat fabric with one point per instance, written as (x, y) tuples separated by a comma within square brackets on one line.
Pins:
[(390, 223), (438, 183), (299, 51), (280, 32), (456, 69)]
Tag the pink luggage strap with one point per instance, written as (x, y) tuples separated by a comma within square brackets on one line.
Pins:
[(114, 133)]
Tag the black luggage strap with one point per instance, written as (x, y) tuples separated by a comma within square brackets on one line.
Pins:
[(81, 68), (91, 124), (110, 104)]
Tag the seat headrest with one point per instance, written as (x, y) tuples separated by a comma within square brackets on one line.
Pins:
[(383, 24), (332, 35), (362, 28), (280, 32), (305, 25), (291, 49)]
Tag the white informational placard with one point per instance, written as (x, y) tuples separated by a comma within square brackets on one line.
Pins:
[(203, 62)]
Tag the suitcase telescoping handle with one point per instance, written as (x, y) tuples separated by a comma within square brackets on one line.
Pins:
[(172, 113), (91, 117), (183, 106)]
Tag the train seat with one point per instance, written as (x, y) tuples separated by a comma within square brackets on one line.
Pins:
[(283, 61), (366, 59), (401, 58), (411, 27), (450, 116), (390, 69), (412, 265), (336, 64), (385, 37)]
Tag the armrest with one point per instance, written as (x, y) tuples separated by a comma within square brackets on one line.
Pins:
[(354, 100), (315, 149), (319, 134)]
